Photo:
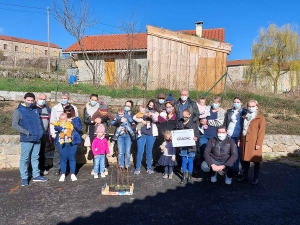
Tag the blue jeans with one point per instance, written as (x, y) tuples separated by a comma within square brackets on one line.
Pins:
[(67, 152), (29, 150), (148, 141), (99, 161), (124, 145), (231, 170), (122, 126), (187, 159), (238, 161)]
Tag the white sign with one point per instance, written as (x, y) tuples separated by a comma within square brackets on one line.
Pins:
[(182, 138)]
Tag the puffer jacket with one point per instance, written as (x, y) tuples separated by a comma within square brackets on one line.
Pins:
[(221, 151), (192, 106), (76, 138)]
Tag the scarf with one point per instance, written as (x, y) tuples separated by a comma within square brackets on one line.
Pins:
[(91, 109), (102, 113), (247, 120)]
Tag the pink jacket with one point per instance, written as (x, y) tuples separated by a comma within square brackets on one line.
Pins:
[(101, 145), (202, 111)]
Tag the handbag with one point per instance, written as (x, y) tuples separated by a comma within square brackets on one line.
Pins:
[(87, 141)]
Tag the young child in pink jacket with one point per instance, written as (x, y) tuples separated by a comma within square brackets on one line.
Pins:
[(100, 148)]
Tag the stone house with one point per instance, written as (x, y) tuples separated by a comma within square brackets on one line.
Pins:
[(136, 58), (19, 49)]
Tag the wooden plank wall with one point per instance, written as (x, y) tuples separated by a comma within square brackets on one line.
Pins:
[(174, 64)]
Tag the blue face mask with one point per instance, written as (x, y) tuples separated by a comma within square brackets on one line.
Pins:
[(215, 105), (41, 102), (236, 105), (64, 101), (126, 108), (93, 103), (161, 101)]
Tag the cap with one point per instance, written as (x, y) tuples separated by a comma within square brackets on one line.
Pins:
[(170, 98), (102, 106)]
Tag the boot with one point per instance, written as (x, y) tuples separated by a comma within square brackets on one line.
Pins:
[(189, 179), (183, 180), (244, 177), (256, 173)]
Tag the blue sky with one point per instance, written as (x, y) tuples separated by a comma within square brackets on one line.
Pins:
[(241, 19)]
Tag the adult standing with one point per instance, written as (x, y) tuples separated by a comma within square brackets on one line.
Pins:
[(124, 140), (55, 113), (213, 121), (161, 100), (68, 149), (147, 138), (26, 121), (234, 121), (44, 112), (251, 140)]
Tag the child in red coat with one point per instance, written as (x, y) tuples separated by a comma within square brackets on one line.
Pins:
[(100, 148)]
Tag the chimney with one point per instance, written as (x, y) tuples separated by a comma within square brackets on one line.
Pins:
[(199, 28)]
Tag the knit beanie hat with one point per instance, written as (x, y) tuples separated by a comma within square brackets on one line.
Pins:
[(102, 106), (100, 128), (170, 98)]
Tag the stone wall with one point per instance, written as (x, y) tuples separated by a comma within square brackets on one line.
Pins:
[(273, 146)]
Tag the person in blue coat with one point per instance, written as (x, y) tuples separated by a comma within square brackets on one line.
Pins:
[(68, 149), (26, 120)]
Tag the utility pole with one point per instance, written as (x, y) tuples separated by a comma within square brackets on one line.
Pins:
[(48, 17)]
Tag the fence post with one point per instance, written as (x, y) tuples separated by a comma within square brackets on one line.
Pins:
[(57, 70)]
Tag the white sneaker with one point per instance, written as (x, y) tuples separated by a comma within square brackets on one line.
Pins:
[(102, 175), (105, 171), (73, 177), (62, 177), (96, 176), (227, 180), (92, 173), (213, 179)]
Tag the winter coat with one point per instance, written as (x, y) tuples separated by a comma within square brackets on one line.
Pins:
[(229, 114), (76, 137), (192, 106), (189, 125), (27, 121), (164, 125), (101, 145), (255, 136), (221, 151)]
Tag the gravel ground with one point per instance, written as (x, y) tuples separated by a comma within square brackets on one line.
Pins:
[(275, 200)]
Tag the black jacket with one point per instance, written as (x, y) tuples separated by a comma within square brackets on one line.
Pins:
[(221, 151), (189, 125), (192, 106), (229, 114)]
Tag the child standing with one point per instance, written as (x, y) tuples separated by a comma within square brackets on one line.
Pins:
[(204, 112), (168, 159), (100, 148), (124, 125)]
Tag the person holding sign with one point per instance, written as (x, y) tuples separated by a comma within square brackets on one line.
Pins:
[(220, 154), (187, 153)]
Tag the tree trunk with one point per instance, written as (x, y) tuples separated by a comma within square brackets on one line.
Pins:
[(276, 85)]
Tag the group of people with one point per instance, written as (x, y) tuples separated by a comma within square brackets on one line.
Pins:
[(227, 141)]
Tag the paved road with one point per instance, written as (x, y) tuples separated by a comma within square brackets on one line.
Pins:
[(276, 200)]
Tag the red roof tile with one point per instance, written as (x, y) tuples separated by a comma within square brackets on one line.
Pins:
[(26, 41), (119, 41), (239, 62)]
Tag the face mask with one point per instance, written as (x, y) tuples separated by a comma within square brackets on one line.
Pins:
[(185, 118), (150, 108), (126, 108), (93, 103), (41, 102), (64, 101), (251, 109), (183, 98), (168, 140), (222, 137), (215, 105), (161, 101), (169, 110), (236, 105), (28, 105)]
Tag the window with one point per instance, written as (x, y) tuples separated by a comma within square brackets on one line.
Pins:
[(36, 51), (26, 49), (54, 53), (5, 46), (16, 48), (46, 52)]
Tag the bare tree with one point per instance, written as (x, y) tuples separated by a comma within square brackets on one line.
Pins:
[(76, 23)]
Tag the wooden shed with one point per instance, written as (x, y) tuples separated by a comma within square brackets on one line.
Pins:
[(179, 60)]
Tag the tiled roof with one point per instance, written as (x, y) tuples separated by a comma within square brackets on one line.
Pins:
[(239, 62), (120, 41), (26, 41)]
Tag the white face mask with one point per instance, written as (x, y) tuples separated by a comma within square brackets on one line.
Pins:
[(252, 109), (222, 137), (183, 98)]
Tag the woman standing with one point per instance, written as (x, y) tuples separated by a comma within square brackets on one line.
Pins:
[(149, 134), (68, 149), (251, 140)]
